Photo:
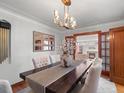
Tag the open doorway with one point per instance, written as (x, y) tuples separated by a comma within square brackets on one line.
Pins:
[(88, 45)]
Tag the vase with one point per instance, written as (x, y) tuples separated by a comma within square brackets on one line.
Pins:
[(66, 60)]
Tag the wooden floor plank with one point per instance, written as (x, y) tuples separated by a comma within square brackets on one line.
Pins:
[(19, 86), (120, 88)]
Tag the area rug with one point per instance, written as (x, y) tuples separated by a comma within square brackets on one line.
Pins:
[(105, 86)]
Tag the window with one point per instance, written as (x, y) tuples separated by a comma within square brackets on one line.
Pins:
[(5, 29)]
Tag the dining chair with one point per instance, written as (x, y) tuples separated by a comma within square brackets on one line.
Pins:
[(94, 61), (92, 79), (81, 57), (5, 87), (55, 58), (40, 61)]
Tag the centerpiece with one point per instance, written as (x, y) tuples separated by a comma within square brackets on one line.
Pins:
[(66, 58)]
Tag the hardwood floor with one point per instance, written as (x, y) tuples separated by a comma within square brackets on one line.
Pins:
[(19, 86), (120, 88), (22, 85)]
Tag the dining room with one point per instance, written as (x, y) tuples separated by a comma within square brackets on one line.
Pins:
[(61, 46)]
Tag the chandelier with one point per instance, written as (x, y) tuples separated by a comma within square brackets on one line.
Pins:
[(68, 21)]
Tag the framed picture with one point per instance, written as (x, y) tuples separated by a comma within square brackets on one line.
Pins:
[(43, 42)]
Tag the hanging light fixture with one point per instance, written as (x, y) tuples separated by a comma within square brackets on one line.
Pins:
[(68, 21)]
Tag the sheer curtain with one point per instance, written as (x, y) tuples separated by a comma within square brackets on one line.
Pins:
[(4, 43)]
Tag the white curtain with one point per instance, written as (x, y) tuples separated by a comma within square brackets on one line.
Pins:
[(4, 44)]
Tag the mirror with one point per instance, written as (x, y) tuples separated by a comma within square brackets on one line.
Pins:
[(43, 42)]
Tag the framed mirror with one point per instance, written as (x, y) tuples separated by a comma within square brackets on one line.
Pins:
[(43, 42)]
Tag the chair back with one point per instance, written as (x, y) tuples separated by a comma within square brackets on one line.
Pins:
[(5, 87), (81, 57), (40, 61), (92, 80), (55, 58)]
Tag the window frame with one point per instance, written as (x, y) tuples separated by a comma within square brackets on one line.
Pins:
[(6, 25)]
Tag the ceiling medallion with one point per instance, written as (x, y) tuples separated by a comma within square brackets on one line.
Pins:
[(68, 21)]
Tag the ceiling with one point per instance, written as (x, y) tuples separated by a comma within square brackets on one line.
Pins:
[(87, 12)]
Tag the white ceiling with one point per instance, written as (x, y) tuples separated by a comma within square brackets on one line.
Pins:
[(87, 12)]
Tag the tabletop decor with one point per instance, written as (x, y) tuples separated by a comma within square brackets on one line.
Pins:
[(66, 58)]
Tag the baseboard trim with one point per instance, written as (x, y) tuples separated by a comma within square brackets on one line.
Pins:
[(18, 84)]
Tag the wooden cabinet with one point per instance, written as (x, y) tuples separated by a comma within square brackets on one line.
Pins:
[(117, 54)]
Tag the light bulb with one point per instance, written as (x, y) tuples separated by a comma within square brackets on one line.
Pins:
[(71, 18), (74, 23), (66, 24), (56, 13)]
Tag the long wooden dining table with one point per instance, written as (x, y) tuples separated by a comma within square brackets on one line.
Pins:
[(58, 79)]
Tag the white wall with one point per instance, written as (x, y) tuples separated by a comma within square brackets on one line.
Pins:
[(22, 44)]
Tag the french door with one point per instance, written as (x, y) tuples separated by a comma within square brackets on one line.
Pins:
[(105, 53)]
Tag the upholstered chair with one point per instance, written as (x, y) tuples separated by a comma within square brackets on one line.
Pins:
[(55, 58), (81, 57), (5, 87), (40, 61), (92, 79)]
